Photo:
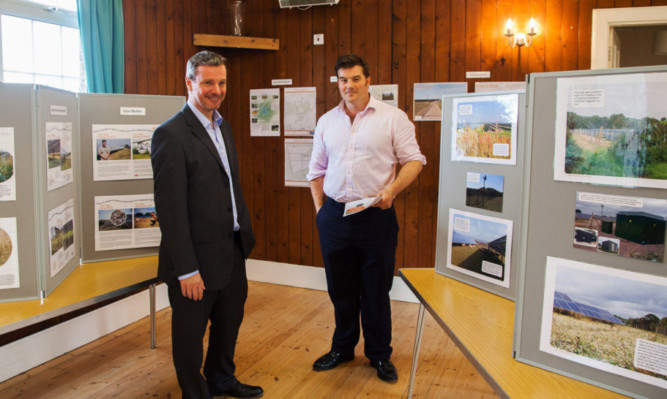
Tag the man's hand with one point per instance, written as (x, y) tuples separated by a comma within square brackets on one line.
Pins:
[(193, 287), (387, 198)]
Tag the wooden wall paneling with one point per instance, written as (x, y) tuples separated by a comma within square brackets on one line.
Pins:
[(458, 49), (641, 3), (169, 56), (408, 215), (585, 33), (129, 13), (320, 83), (488, 37), (473, 25), (537, 49), (152, 59), (399, 76), (185, 19), (270, 71), (141, 48), (344, 29), (552, 31), (605, 4), (294, 197), (521, 18), (161, 45), (330, 55), (442, 40), (383, 28), (371, 38), (306, 80), (570, 34), (283, 65), (421, 199), (358, 18), (623, 3), (659, 2), (504, 54)]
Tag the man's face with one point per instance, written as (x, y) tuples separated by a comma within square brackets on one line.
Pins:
[(353, 85), (209, 87), (104, 143)]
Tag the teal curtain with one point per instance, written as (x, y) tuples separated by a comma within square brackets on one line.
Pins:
[(103, 41)]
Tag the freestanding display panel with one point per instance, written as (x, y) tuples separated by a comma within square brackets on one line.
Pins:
[(39, 235), (481, 189), (117, 182), (592, 295)]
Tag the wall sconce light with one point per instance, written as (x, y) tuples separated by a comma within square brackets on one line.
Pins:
[(520, 39)]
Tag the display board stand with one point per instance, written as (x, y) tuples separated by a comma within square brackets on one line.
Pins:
[(466, 192), (579, 266)]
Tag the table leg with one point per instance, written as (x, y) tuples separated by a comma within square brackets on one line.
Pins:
[(415, 352), (151, 294)]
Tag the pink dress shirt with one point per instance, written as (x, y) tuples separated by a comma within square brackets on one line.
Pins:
[(359, 159)]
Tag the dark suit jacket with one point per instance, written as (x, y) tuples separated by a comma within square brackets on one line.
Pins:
[(193, 201)]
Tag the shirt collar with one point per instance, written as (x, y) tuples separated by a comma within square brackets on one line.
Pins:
[(217, 118), (371, 105)]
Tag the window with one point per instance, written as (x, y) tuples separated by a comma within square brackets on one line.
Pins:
[(41, 44)]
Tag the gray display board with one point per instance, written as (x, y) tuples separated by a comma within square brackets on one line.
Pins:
[(57, 191), (119, 110), (17, 109), (586, 279), (481, 193)]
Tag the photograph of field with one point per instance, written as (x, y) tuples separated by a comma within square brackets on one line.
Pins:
[(68, 234), (53, 153), (613, 130), (485, 191), (480, 246), (599, 316), (65, 156), (427, 105), (5, 247), (114, 219), (632, 227), (141, 149), (57, 239), (145, 218), (6, 166), (484, 129)]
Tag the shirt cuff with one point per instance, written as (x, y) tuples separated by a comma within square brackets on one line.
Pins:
[(183, 277)]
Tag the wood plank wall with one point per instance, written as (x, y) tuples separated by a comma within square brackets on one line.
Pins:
[(405, 41)]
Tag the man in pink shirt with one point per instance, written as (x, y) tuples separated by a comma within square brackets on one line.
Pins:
[(357, 146)]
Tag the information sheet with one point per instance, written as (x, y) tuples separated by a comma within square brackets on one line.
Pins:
[(126, 221), (265, 112), (300, 111), (7, 165), (122, 152), (297, 158), (58, 154), (61, 235)]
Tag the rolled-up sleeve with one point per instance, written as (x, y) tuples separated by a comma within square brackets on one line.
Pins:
[(405, 141), (318, 159)]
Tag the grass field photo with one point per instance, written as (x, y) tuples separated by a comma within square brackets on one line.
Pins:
[(485, 191), (6, 166), (5, 247), (145, 218), (54, 153), (602, 317)]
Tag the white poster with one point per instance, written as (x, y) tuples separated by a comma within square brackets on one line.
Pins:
[(126, 221), (297, 158), (300, 111), (610, 130), (58, 154), (265, 112), (122, 152), (7, 165), (9, 254), (606, 318), (388, 94), (61, 236), (483, 87)]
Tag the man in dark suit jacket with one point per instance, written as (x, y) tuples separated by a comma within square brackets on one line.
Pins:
[(206, 233)]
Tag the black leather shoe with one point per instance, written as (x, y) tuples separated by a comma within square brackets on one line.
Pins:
[(386, 370), (241, 391), (330, 360)]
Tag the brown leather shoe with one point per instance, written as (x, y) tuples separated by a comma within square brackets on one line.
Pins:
[(330, 360)]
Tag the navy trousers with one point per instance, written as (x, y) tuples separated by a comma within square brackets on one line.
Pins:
[(359, 254)]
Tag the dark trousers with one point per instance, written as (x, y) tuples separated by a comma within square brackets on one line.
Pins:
[(224, 308), (359, 254)]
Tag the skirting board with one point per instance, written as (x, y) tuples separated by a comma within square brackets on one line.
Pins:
[(22, 355)]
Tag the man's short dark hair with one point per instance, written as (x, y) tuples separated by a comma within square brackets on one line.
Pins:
[(203, 58), (351, 60)]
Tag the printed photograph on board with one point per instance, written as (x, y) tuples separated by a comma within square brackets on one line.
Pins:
[(606, 318), (612, 129), (427, 105), (484, 129), (632, 227), (126, 221), (485, 191), (480, 246), (9, 258)]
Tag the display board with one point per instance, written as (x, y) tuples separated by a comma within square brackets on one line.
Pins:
[(481, 189), (117, 212), (19, 278), (57, 191), (592, 294)]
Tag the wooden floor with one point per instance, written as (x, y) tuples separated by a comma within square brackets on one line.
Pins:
[(285, 329)]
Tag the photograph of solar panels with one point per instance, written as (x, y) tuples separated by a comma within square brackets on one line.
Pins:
[(609, 318)]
